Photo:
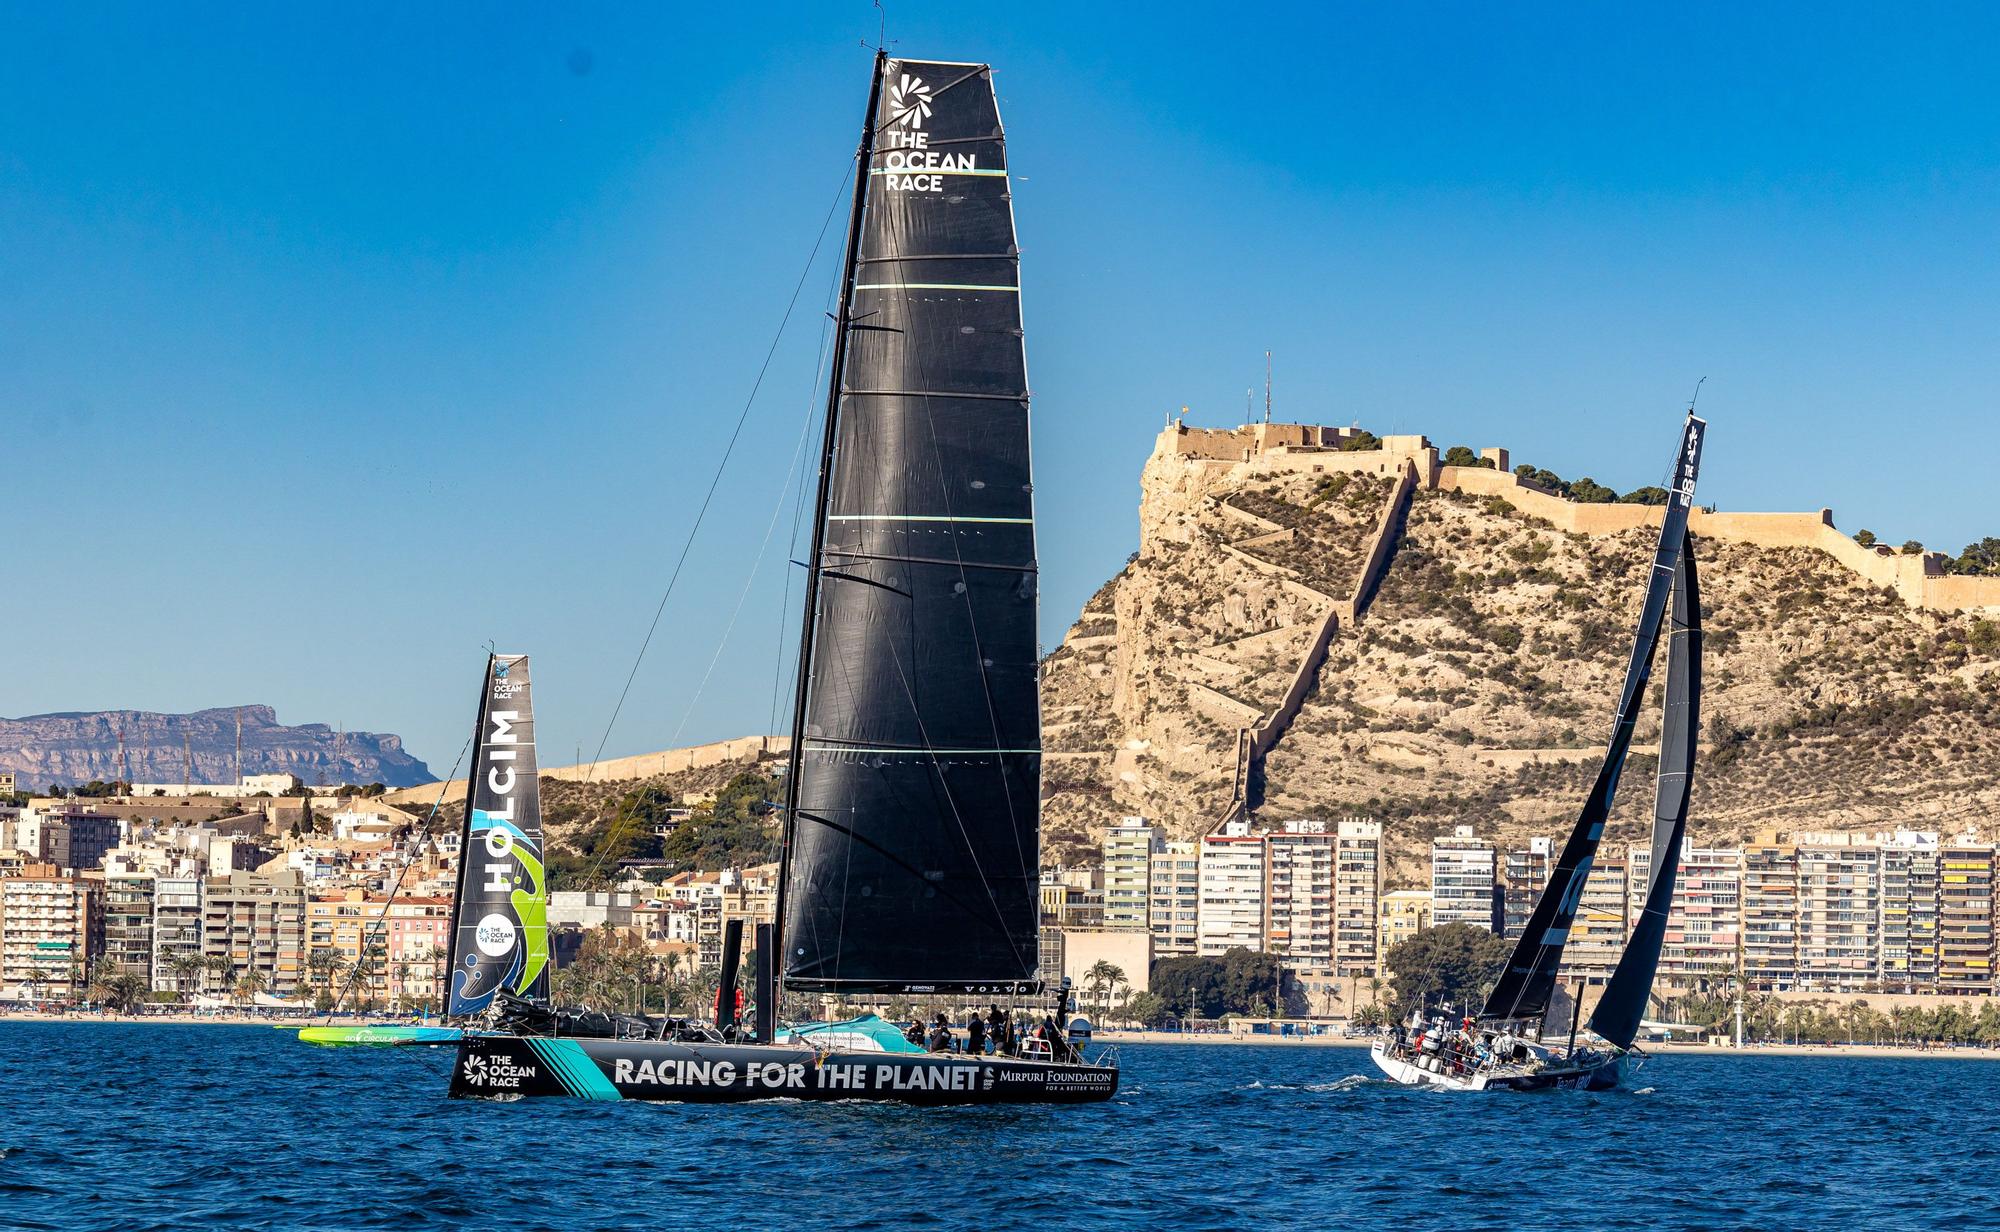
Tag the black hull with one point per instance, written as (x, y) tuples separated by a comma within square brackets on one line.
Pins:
[(520, 1067)]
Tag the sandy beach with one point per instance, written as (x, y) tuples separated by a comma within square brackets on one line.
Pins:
[(192, 1019)]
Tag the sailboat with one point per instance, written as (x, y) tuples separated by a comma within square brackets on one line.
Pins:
[(499, 943), (911, 822), (1503, 1048)]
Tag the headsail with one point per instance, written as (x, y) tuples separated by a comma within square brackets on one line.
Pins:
[(1530, 975), (1623, 1005), (912, 840), (500, 931)]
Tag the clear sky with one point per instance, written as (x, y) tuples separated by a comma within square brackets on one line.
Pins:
[(338, 340)]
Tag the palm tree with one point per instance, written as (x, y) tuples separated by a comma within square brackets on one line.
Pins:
[(184, 966), (251, 983), (1103, 976), (221, 969)]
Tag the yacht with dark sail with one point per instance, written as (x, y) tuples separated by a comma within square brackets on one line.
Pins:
[(499, 942), (1504, 1048), (911, 822)]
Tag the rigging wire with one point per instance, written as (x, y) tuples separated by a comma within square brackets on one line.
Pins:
[(770, 528), (382, 920), (715, 482)]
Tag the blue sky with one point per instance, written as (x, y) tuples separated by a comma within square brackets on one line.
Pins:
[(336, 341)]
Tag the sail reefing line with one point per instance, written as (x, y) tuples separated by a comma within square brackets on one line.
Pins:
[(1527, 983)]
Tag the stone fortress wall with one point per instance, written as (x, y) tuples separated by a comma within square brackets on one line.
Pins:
[(1254, 449)]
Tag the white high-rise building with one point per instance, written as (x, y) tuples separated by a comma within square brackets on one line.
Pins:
[(1462, 880), (1909, 928), (1175, 908), (1357, 897), (1231, 912), (1299, 878)]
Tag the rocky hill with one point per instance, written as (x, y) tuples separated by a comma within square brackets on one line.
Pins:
[(1473, 682), (72, 748)]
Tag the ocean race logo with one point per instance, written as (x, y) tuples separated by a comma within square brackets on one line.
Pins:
[(909, 102), (495, 1074), (908, 162)]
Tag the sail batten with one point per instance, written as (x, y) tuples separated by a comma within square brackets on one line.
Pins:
[(499, 935), (912, 845), (1528, 981)]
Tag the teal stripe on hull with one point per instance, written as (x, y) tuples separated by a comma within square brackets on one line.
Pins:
[(575, 1068)]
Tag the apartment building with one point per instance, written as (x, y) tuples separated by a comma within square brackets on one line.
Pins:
[(1770, 916), (1175, 907), (1909, 897), (1528, 870), (1231, 910), (1298, 898), (1404, 914), (1128, 873), (1463, 880), (1839, 911), (1602, 924), (1965, 918), (51, 930), (177, 933), (1357, 896), (128, 916), (256, 923)]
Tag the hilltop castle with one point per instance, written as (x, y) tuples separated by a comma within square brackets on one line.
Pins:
[(1271, 448)]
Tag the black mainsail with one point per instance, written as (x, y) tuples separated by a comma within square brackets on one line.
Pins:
[(1529, 979), (1623, 1005), (913, 801), (500, 932)]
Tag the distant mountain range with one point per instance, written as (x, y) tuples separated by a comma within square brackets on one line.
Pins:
[(72, 748)]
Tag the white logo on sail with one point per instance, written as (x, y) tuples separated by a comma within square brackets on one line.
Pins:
[(909, 102), (494, 935), (908, 162)]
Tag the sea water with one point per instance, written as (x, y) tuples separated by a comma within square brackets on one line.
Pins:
[(171, 1127)]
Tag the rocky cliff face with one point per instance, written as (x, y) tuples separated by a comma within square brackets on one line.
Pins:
[(1477, 686), (75, 748), (1146, 701)]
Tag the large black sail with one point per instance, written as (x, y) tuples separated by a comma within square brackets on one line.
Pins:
[(500, 929), (1623, 1005), (914, 841), (1529, 978)]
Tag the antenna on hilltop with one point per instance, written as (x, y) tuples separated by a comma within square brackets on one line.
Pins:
[(1697, 396), (1267, 386)]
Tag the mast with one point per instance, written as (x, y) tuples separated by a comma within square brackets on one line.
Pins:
[(1529, 979), (1623, 1005), (836, 370)]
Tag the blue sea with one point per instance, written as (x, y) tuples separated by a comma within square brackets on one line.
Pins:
[(165, 1127)]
